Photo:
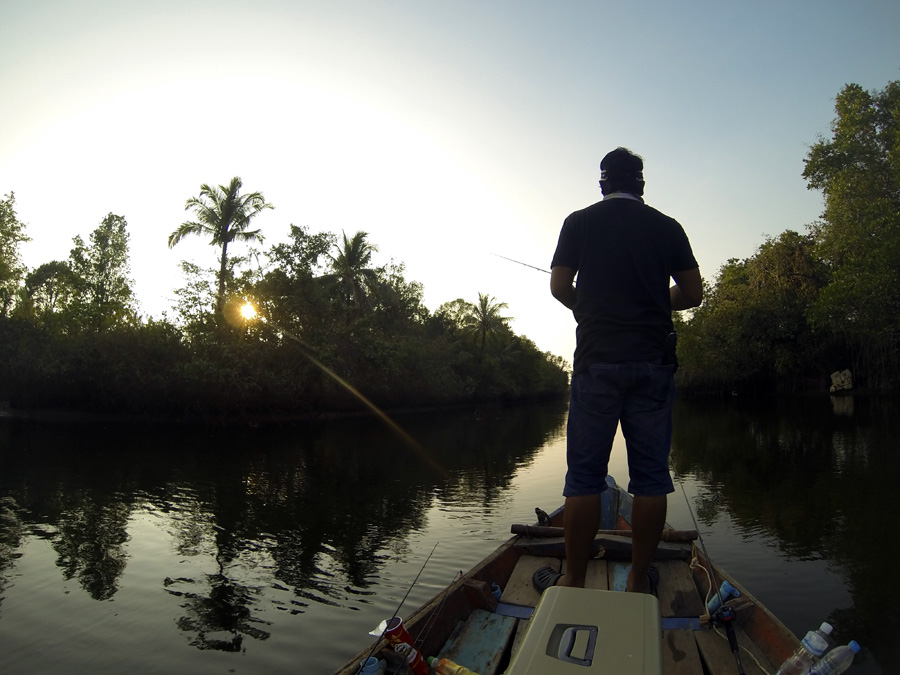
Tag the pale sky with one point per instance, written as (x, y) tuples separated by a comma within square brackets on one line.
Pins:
[(449, 131)]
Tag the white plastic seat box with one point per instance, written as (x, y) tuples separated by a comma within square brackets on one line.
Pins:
[(586, 632)]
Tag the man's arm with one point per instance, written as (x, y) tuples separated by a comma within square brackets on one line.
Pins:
[(561, 280), (687, 291)]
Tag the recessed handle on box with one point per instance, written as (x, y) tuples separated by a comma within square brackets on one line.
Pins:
[(567, 643)]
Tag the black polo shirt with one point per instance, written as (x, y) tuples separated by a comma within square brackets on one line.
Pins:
[(625, 253)]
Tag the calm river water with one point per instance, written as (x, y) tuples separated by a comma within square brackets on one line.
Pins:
[(276, 550)]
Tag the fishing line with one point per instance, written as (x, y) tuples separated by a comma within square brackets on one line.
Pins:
[(430, 623), (726, 613), (307, 351), (696, 526), (397, 611)]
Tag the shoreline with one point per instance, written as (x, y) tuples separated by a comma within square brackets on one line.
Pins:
[(240, 419)]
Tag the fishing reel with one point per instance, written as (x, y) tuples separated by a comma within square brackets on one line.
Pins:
[(725, 616)]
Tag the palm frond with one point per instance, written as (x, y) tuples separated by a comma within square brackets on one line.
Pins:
[(185, 229), (248, 236)]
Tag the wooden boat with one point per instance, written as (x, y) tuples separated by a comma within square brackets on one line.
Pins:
[(469, 625)]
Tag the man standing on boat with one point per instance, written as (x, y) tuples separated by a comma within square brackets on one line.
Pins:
[(625, 253)]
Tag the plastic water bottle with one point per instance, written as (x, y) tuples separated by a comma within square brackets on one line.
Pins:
[(837, 660), (447, 667), (825, 632), (811, 649)]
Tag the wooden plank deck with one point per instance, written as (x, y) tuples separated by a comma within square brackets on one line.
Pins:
[(519, 589), (717, 654), (678, 595), (488, 640), (475, 642), (680, 654)]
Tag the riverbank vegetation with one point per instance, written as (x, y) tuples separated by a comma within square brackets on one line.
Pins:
[(309, 328), (313, 322), (809, 304)]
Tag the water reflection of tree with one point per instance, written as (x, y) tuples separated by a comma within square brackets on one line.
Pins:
[(818, 483), (316, 511), (79, 486), (11, 531), (218, 607), (218, 614), (340, 504), (485, 450), (89, 544), (769, 466), (356, 495)]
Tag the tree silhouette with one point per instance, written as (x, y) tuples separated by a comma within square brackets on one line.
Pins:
[(485, 319), (351, 272), (101, 269), (47, 291), (224, 215), (12, 235)]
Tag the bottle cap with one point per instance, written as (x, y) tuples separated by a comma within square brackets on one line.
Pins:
[(826, 628), (431, 660), (854, 645)]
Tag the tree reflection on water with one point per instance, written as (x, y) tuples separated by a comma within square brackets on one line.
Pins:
[(818, 478), (220, 616), (273, 518), (11, 533), (254, 532), (89, 542)]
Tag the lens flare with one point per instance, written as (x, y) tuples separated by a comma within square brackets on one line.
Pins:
[(409, 440), (248, 311)]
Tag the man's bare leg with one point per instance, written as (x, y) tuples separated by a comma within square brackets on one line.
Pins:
[(581, 520), (648, 518)]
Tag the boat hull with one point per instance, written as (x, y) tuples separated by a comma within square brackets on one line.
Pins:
[(689, 638)]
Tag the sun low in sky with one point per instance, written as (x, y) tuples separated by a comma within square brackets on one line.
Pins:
[(248, 311), (450, 132)]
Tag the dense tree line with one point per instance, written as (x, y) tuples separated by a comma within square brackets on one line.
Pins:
[(301, 328), (329, 322), (806, 305)]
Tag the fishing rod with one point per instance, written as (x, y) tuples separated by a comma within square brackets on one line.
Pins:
[(397, 611), (724, 614), (539, 269)]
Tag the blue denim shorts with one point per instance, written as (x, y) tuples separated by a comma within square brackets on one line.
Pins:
[(640, 396)]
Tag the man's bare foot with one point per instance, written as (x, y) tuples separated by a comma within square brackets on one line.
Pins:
[(645, 583), (640, 585)]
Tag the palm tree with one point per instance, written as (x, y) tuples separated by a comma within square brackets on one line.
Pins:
[(224, 215), (485, 319), (351, 271)]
